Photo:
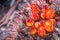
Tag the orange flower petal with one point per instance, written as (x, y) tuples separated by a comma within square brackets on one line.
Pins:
[(35, 16), (33, 31), (36, 24), (42, 15), (29, 22), (53, 21)]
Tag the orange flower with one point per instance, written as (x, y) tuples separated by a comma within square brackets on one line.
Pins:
[(48, 13), (41, 31), (33, 31), (29, 22), (48, 26), (35, 16), (35, 8)]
